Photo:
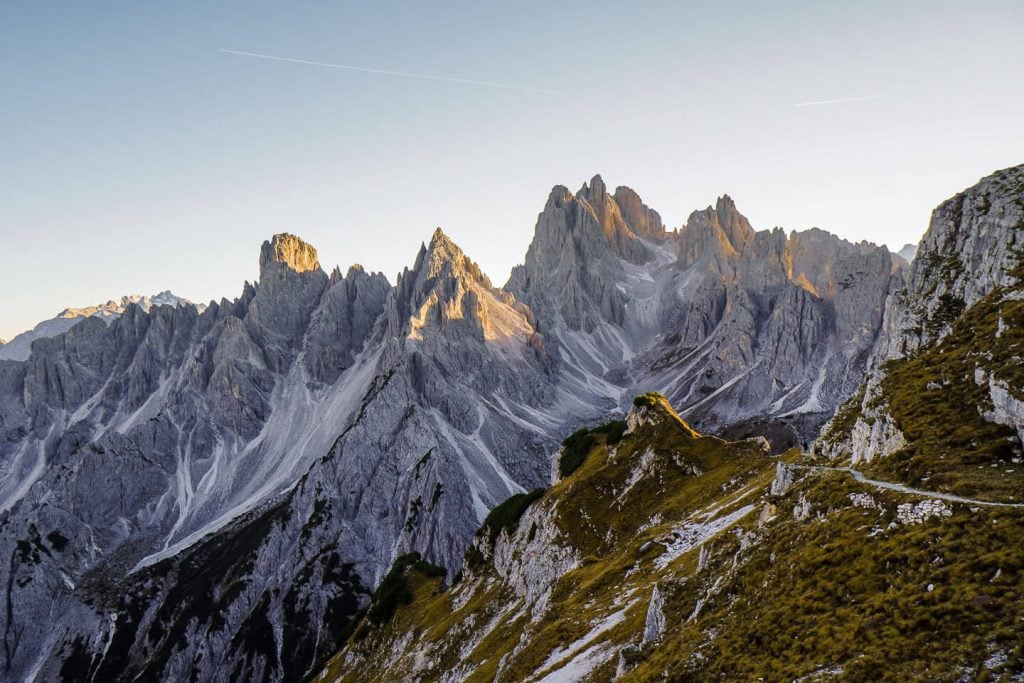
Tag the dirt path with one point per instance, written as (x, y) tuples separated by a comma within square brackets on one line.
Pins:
[(902, 488)]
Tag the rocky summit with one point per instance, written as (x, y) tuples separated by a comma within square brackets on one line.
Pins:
[(626, 461), (290, 251)]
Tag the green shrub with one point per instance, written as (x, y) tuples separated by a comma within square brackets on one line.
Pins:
[(949, 309), (473, 559), (506, 515), (575, 450), (648, 400), (430, 570), (579, 444), (395, 591), (613, 431)]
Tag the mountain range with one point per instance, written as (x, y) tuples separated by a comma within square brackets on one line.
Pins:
[(215, 492), (887, 551)]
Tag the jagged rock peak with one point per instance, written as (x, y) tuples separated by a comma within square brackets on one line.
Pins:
[(626, 203), (289, 250), (735, 224), (557, 198), (113, 308), (642, 219), (619, 230), (443, 257), (726, 216), (442, 243), (594, 190), (721, 227)]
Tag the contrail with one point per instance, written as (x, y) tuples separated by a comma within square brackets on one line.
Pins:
[(840, 101), (404, 74)]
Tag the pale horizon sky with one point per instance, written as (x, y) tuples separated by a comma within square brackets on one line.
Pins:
[(143, 153)]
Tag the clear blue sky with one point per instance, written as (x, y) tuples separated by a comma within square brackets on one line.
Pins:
[(137, 157)]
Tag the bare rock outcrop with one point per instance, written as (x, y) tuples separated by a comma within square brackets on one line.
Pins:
[(654, 623), (973, 243), (290, 251)]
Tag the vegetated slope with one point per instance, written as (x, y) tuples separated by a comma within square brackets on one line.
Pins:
[(948, 417), (671, 555)]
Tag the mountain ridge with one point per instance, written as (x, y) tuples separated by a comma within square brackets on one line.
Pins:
[(20, 346)]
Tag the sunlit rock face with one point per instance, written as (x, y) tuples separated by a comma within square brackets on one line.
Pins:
[(290, 251)]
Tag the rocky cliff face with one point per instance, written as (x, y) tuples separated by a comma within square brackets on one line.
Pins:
[(971, 247), (772, 326), (212, 493), (130, 441), (459, 418), (577, 257), (949, 341)]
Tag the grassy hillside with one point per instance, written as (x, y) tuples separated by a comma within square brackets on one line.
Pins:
[(826, 578)]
